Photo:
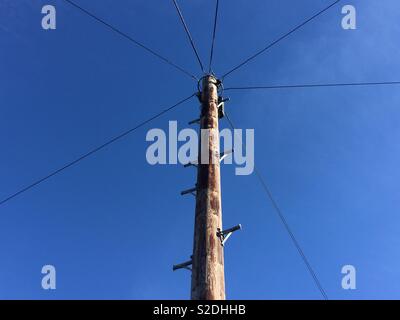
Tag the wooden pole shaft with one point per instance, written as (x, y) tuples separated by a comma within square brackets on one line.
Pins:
[(208, 281)]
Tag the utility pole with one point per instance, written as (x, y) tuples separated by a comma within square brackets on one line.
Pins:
[(208, 279), (207, 260)]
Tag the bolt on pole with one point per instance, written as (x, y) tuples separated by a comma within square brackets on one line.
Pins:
[(208, 280)]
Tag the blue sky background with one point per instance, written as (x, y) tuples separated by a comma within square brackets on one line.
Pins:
[(113, 225)]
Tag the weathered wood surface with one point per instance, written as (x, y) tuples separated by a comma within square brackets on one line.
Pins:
[(208, 280)]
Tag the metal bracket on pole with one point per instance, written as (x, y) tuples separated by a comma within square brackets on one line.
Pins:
[(198, 95), (225, 234), (194, 121), (190, 164), (189, 191), (184, 265), (224, 154), (221, 107)]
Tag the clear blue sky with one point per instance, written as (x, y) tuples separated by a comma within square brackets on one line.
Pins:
[(113, 225)]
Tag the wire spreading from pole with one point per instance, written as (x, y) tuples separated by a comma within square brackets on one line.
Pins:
[(151, 51), (188, 34), (116, 138), (213, 36), (295, 86), (279, 39), (286, 225)]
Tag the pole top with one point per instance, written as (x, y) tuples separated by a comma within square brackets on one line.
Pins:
[(210, 78)]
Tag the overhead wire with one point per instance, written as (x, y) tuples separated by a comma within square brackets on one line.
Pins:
[(94, 150), (213, 36), (128, 37), (315, 85), (279, 39), (188, 34), (285, 223)]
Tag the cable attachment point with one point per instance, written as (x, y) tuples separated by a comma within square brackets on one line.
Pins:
[(225, 234), (221, 106), (198, 95), (218, 83)]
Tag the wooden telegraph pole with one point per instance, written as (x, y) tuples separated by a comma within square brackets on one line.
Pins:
[(207, 261), (208, 280)]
